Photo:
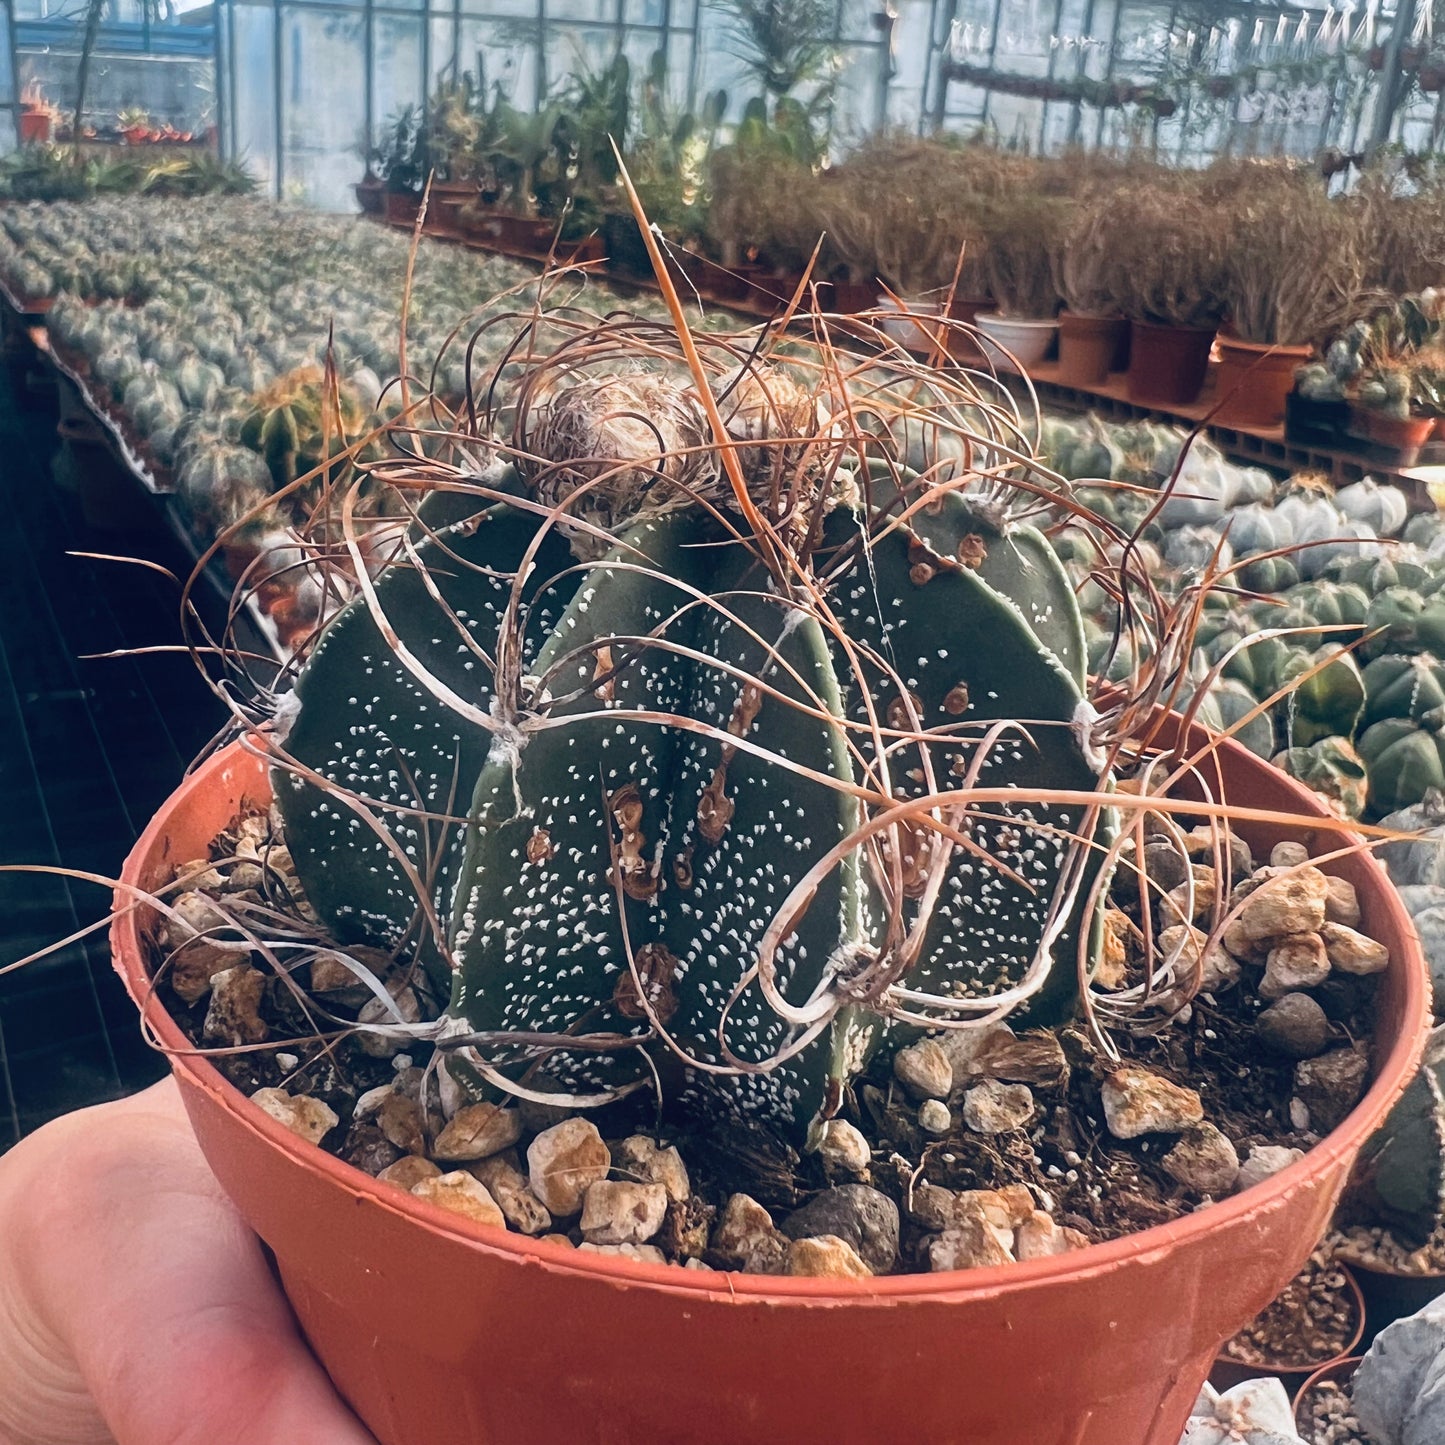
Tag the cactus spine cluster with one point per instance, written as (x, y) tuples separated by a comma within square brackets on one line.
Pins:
[(641, 803)]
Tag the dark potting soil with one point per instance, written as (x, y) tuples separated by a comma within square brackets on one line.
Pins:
[(1074, 1168)]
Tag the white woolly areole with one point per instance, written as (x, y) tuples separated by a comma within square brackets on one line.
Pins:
[(1082, 724), (288, 709)]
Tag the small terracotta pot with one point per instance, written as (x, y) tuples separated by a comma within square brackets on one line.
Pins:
[(1404, 436), (1167, 364), (1016, 344), (1337, 1372), (1252, 381), (437, 1329), (34, 126), (1088, 346), (1228, 1371)]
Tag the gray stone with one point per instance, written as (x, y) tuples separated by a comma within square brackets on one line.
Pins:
[(969, 1244), (1331, 1085), (1166, 866), (309, 1119), (934, 1118), (1295, 1026), (618, 1212), (843, 1146), (1204, 1160), (864, 1217), (1288, 855), (995, 1108), (1263, 1162), (1296, 962), (460, 1193), (233, 1017), (507, 1184), (477, 1131), (1353, 952), (1288, 903), (645, 1161), (1342, 903), (747, 1239)]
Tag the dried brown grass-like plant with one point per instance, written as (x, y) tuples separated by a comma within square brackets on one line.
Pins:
[(1295, 266), (1170, 257), (1085, 268), (1024, 233), (1403, 224)]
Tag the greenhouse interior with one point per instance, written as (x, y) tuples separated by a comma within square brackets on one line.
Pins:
[(701, 698)]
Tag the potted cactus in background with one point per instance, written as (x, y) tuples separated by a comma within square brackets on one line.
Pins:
[(1093, 334), (717, 763)]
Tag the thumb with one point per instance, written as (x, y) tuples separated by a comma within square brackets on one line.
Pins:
[(146, 1305)]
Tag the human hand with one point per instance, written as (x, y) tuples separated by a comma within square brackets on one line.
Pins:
[(135, 1304)]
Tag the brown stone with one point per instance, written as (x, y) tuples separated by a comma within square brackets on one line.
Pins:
[(477, 1131), (460, 1193), (1352, 952), (1139, 1102), (826, 1257), (1292, 902), (233, 1017), (563, 1162), (309, 1119), (1296, 962), (618, 1212), (747, 1238), (409, 1171)]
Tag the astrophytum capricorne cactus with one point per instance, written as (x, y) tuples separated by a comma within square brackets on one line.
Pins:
[(658, 800)]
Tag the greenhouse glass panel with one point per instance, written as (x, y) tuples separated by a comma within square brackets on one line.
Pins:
[(582, 9), (641, 12), (252, 73), (442, 57), (396, 62), (325, 124), (500, 52)]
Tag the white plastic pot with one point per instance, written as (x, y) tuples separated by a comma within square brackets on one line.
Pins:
[(1021, 343), (915, 336)]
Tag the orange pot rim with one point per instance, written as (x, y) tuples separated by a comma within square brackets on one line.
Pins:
[(1269, 350), (1173, 326), (1392, 1074)]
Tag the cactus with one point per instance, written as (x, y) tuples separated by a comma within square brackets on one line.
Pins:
[(295, 425), (1399, 1178), (1326, 698), (1405, 758), (677, 760)]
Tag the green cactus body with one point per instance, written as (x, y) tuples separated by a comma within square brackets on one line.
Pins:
[(368, 724), (1405, 622), (1326, 703), (1399, 1178), (1405, 759), (1402, 686), (1333, 769), (607, 821)]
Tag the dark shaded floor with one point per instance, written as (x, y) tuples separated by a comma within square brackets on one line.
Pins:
[(88, 749)]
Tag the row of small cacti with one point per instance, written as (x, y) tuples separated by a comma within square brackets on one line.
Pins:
[(1322, 568), (205, 325)]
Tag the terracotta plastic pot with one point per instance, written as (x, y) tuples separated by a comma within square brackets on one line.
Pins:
[(1167, 364), (1088, 346), (1402, 436), (1016, 343), (441, 1332), (402, 206), (34, 126), (1337, 1372), (1252, 381), (1228, 1371)]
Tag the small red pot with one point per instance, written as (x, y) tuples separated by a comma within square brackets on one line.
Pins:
[(1167, 364), (1228, 1371), (34, 127), (1252, 382), (436, 1329), (1337, 1372), (1404, 436), (1087, 347)]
